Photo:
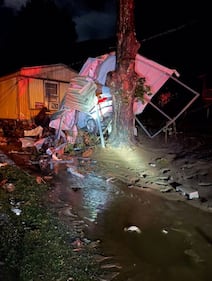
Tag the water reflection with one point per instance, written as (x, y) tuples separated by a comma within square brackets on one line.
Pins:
[(175, 239), (178, 253)]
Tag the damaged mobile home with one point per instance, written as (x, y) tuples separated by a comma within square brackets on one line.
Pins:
[(74, 100), (80, 105), (25, 92)]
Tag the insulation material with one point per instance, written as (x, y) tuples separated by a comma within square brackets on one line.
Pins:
[(36, 132), (81, 95)]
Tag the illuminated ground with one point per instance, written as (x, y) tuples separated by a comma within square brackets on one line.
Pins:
[(162, 166), (154, 164)]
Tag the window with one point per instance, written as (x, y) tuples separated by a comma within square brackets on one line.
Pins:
[(51, 95)]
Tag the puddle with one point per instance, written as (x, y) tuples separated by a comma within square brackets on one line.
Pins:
[(170, 245)]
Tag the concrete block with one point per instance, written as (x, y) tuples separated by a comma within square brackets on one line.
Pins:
[(188, 192)]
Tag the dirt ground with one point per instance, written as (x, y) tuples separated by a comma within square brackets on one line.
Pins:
[(178, 167), (174, 168)]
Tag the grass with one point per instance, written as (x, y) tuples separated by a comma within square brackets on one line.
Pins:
[(36, 245)]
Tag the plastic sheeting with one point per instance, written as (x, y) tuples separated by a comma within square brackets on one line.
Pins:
[(155, 74)]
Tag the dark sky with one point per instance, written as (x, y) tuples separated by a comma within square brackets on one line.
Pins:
[(93, 20), (98, 20), (174, 33)]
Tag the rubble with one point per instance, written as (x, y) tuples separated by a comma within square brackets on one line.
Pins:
[(188, 192)]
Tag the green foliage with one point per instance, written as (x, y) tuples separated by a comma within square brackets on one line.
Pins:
[(35, 245), (142, 89), (84, 140), (69, 148)]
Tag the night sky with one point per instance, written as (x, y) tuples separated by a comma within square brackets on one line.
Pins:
[(174, 33)]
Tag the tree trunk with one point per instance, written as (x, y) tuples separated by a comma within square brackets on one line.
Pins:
[(123, 81)]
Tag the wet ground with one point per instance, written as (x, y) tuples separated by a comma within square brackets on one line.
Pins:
[(172, 240), (109, 192)]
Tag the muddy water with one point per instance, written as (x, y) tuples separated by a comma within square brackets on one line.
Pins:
[(175, 239)]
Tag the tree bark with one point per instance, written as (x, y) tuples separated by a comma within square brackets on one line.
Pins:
[(123, 80)]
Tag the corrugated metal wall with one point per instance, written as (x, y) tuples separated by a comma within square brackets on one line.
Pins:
[(59, 72), (20, 94), (8, 99)]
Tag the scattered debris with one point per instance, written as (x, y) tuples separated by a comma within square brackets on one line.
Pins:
[(111, 179), (162, 182), (100, 258), (132, 228), (109, 266), (110, 276), (191, 253), (77, 244), (166, 189), (164, 231), (204, 183), (165, 170), (40, 180), (27, 142), (9, 187), (87, 153), (15, 210), (68, 212), (15, 207), (73, 170), (3, 141), (188, 191), (152, 164), (36, 132)]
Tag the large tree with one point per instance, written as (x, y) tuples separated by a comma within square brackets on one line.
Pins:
[(123, 80)]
